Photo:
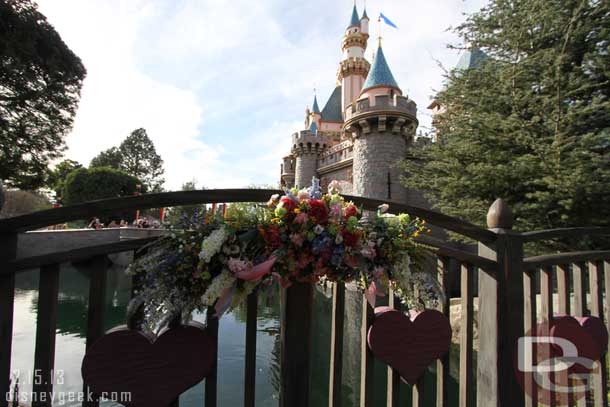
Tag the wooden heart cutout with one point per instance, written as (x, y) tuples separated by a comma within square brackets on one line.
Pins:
[(409, 346), (588, 334), (153, 370)]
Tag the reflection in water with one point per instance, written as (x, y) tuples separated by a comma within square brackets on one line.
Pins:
[(71, 331)]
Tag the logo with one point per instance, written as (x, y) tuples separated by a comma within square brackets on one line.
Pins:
[(559, 361)]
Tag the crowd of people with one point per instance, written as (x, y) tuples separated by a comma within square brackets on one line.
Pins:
[(143, 223)]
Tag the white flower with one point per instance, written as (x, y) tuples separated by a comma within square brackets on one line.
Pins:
[(212, 244), (383, 208), (334, 187), (339, 238), (318, 229), (218, 285)]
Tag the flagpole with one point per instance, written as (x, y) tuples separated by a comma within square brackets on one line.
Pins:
[(379, 29)]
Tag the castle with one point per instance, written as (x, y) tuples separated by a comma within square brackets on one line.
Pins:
[(364, 129)]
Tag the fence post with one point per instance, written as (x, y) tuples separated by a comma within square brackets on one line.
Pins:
[(501, 313), (8, 252), (296, 342)]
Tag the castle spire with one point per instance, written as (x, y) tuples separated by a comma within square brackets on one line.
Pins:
[(316, 108), (380, 74), (355, 21)]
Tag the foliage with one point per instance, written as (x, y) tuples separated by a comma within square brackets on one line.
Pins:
[(531, 124), (22, 202), (58, 175), (84, 185), (303, 236), (40, 82), (140, 159), (108, 158), (175, 214)]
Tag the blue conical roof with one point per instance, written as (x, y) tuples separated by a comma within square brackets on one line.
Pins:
[(471, 58), (364, 15), (380, 74), (355, 22), (316, 108), (313, 127)]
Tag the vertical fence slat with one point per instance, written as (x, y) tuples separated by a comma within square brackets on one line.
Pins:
[(250, 365), (367, 360), (579, 308), (563, 289), (296, 334), (607, 308), (8, 250), (466, 336), (393, 387), (418, 393), (546, 302), (578, 284), (442, 365), (44, 354), (97, 268), (600, 387), (212, 378), (336, 345), (529, 297)]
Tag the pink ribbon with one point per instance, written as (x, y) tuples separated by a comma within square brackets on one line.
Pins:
[(224, 301), (371, 293), (256, 272), (285, 283)]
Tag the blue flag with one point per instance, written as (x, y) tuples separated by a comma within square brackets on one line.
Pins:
[(387, 20)]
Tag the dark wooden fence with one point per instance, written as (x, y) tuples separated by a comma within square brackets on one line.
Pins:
[(507, 290)]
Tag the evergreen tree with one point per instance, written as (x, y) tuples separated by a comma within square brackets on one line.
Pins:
[(175, 213), (140, 159), (57, 176), (108, 158), (531, 124), (40, 82)]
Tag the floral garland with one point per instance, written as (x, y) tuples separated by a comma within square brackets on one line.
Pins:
[(303, 236)]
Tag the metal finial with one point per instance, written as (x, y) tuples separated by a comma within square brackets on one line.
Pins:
[(500, 216)]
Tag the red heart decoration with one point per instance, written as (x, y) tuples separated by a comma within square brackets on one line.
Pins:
[(154, 370), (409, 346), (588, 334)]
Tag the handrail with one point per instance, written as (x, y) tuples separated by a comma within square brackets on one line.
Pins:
[(99, 207), (76, 254), (488, 265), (565, 232), (565, 258)]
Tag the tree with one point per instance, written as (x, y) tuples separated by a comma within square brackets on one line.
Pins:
[(58, 175), (140, 159), (176, 213), (84, 185), (108, 158), (531, 124), (40, 83)]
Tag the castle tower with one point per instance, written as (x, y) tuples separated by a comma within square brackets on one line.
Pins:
[(354, 68), (383, 124), (306, 148), (316, 115), (288, 171)]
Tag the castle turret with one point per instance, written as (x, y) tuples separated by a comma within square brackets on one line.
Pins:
[(383, 124), (354, 67), (364, 22), (316, 115), (287, 171), (307, 145)]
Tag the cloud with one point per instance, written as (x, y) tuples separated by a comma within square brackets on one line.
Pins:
[(221, 85)]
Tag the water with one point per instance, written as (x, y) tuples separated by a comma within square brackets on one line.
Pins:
[(71, 330)]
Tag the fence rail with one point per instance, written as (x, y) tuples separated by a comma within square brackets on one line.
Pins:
[(514, 295)]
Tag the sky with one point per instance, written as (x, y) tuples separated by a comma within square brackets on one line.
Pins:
[(221, 85)]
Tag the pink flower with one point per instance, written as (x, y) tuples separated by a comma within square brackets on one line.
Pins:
[(301, 218), (335, 211), (297, 239), (303, 195), (237, 266)]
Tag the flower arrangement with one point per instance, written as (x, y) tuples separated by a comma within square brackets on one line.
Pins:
[(303, 236)]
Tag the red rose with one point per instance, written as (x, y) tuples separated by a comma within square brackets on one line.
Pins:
[(349, 238), (273, 238), (351, 211), (288, 204), (318, 210)]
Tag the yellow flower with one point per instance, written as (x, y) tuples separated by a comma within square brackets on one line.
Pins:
[(415, 234), (297, 210)]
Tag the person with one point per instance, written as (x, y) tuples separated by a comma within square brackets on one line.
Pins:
[(123, 224), (113, 224)]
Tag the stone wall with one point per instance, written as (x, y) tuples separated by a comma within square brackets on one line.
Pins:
[(343, 175), (306, 164), (375, 155)]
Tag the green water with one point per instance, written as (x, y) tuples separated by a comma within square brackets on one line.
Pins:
[(70, 343)]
